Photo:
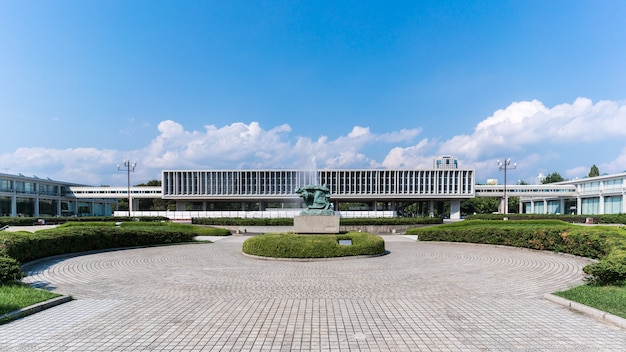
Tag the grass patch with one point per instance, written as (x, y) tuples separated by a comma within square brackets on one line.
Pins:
[(289, 245), (17, 296), (608, 298)]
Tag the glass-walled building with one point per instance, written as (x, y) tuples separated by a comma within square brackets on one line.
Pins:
[(35, 197), (594, 196)]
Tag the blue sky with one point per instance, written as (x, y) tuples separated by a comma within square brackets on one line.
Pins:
[(301, 84)]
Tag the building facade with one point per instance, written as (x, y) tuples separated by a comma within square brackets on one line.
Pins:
[(592, 196), (271, 193), (33, 197), (375, 189)]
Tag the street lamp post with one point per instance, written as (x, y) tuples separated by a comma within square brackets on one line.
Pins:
[(503, 166), (128, 167)]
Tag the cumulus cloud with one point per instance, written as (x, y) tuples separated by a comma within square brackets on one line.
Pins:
[(535, 136), (529, 123), (413, 157), (235, 146), (80, 165)]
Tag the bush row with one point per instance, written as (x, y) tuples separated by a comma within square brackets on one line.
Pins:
[(580, 219), (27, 221), (243, 221), (313, 246), (9, 269), (71, 238), (289, 221), (608, 244)]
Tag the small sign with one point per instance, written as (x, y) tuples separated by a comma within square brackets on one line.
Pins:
[(345, 242)]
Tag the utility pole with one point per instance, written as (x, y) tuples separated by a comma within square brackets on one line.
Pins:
[(128, 167), (503, 166)]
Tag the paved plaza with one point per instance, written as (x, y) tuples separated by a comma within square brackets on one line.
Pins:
[(422, 296)]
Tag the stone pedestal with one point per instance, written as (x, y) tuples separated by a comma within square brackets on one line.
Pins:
[(316, 224)]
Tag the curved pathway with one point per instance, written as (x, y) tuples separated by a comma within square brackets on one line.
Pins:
[(423, 296)]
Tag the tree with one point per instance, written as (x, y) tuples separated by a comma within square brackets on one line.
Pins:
[(594, 171), (151, 203), (479, 205), (151, 183), (552, 178)]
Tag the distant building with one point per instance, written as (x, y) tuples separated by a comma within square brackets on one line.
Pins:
[(32, 196), (445, 162), (271, 193)]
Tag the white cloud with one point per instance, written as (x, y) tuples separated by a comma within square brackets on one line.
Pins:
[(235, 146), (529, 123), (537, 137), (416, 156)]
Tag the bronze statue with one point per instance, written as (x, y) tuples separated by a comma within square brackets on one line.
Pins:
[(317, 200)]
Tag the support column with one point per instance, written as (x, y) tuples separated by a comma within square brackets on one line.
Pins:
[(562, 209), (14, 205), (59, 211), (532, 206), (455, 209), (545, 206), (579, 203), (601, 207), (135, 204), (431, 208), (36, 211)]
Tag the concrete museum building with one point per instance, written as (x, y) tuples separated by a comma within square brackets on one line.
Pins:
[(271, 193)]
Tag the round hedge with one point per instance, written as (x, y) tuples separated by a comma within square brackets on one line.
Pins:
[(289, 245), (9, 270)]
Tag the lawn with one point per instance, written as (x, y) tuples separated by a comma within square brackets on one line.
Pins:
[(18, 295), (608, 298)]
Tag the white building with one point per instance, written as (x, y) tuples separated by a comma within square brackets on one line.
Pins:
[(32, 196), (271, 193), (593, 196)]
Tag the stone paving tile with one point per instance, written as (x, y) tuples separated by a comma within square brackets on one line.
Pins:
[(209, 297)]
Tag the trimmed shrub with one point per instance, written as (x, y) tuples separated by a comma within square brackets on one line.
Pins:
[(9, 270), (71, 238), (289, 221), (599, 242), (28, 221), (313, 246), (243, 221), (574, 219), (391, 221), (610, 269)]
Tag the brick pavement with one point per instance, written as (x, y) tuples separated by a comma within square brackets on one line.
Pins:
[(209, 297)]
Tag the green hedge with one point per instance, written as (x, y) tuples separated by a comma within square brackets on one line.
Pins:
[(9, 270), (313, 246), (580, 219), (28, 221), (79, 237), (390, 221), (243, 221), (289, 221), (608, 244)]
